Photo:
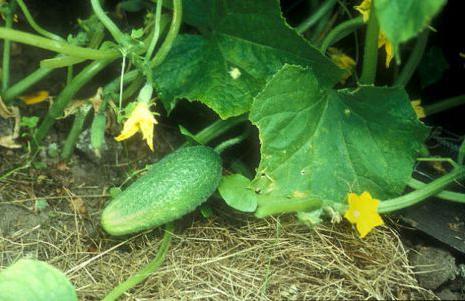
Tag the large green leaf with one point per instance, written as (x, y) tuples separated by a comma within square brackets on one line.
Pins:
[(402, 20), (243, 44), (320, 143), (35, 280)]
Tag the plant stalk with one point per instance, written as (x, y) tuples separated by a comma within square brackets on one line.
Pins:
[(341, 31), (171, 36), (419, 195), (314, 18), (146, 271), (57, 46), (444, 105), (413, 61), (107, 22), (370, 55)]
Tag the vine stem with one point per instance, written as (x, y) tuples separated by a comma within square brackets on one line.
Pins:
[(57, 46), (171, 36), (216, 129), (156, 30), (73, 135), (107, 22), (370, 55), (444, 105), (56, 110), (445, 195), (313, 19), (271, 206), (341, 31), (149, 269), (419, 195), (36, 26), (413, 60), (25, 83)]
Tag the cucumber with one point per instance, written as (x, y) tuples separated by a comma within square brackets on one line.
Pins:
[(171, 188)]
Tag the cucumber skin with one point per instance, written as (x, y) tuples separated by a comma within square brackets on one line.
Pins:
[(171, 188)]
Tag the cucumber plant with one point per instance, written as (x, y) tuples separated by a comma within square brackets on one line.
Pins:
[(332, 142)]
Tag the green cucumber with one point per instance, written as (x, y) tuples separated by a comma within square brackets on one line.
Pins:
[(171, 188)]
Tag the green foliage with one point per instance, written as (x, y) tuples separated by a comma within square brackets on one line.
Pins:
[(237, 192), (35, 280), (402, 20), (237, 53), (29, 122), (318, 143)]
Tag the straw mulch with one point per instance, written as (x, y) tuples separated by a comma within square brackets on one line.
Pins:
[(227, 257)]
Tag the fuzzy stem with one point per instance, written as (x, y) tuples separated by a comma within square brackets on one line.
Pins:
[(312, 19), (413, 60), (171, 36), (149, 269), (107, 22), (341, 31), (419, 195), (56, 110), (57, 46), (370, 56), (444, 105)]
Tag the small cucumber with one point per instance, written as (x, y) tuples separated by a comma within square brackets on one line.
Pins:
[(171, 188)]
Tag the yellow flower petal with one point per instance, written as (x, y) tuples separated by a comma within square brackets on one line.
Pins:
[(363, 212), (34, 98), (364, 9), (141, 119), (419, 110), (383, 41)]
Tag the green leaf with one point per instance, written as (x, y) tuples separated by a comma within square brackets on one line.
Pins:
[(237, 192), (318, 143), (402, 20), (35, 280), (243, 44)]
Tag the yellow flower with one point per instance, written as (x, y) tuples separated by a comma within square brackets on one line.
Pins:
[(363, 211), (364, 9), (36, 97), (419, 110), (141, 119), (343, 61)]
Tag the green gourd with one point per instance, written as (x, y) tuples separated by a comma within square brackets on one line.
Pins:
[(171, 188)]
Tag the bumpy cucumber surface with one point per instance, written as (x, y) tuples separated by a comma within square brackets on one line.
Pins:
[(171, 188)]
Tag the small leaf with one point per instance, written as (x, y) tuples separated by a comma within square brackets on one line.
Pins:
[(35, 280), (235, 190)]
